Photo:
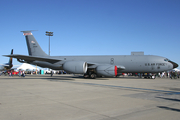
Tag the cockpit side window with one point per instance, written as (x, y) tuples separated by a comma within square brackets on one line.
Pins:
[(166, 60)]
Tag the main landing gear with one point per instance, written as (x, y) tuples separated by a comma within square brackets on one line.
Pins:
[(90, 74)]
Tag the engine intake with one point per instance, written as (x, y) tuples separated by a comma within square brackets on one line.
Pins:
[(76, 67)]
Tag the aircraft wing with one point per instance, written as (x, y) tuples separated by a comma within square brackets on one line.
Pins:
[(33, 58), (54, 60)]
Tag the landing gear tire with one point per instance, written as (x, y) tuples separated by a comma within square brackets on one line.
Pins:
[(93, 76)]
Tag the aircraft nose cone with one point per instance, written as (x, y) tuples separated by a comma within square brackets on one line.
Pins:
[(175, 65)]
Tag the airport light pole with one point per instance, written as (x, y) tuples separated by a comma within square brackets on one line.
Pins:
[(49, 34)]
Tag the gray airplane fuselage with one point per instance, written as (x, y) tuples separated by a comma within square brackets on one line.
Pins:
[(132, 63)]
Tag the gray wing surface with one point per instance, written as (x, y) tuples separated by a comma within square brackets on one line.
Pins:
[(91, 65), (33, 58)]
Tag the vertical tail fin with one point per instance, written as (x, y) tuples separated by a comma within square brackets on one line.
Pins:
[(10, 59), (33, 47), (9, 65)]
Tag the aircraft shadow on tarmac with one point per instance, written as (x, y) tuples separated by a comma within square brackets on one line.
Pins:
[(168, 108), (107, 78), (59, 77), (56, 77), (171, 99), (81, 77)]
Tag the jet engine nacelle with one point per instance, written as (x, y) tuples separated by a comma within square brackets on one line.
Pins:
[(77, 67), (107, 70)]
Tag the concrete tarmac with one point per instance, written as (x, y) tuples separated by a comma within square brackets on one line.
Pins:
[(68, 97)]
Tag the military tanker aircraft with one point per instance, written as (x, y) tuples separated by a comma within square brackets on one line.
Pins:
[(93, 66)]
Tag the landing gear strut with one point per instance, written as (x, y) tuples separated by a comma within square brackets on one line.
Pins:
[(90, 74)]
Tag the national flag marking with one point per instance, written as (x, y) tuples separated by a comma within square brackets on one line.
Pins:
[(27, 33)]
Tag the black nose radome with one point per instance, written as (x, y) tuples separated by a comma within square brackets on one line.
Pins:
[(175, 65)]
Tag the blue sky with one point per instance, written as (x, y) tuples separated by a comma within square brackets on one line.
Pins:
[(92, 27)]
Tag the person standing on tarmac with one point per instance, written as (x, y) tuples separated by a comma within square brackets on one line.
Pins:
[(23, 73), (51, 73), (175, 75)]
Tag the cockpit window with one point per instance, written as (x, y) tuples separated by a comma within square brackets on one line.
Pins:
[(166, 60)]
